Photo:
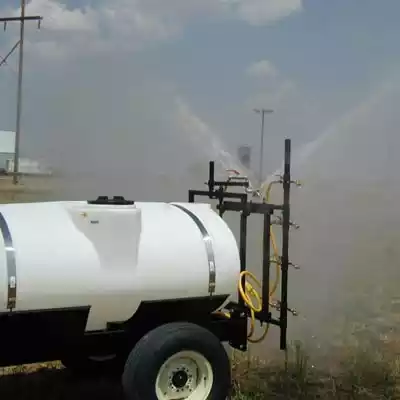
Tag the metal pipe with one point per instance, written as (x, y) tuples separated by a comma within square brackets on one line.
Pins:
[(285, 245), (243, 250), (266, 264), (211, 176), (27, 18), (261, 167)]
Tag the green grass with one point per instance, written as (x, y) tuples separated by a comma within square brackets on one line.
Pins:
[(350, 373)]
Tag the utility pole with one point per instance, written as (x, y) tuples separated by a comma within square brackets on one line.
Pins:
[(262, 112), (22, 18)]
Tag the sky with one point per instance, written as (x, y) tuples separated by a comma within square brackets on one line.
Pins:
[(170, 77), (132, 97)]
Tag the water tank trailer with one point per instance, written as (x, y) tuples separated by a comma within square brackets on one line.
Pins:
[(146, 289)]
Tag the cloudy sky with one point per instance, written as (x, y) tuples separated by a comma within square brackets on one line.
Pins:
[(141, 83)]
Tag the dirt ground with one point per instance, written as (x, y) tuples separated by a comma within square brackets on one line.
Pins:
[(55, 383), (29, 188)]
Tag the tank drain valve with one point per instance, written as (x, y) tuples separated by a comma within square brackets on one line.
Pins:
[(279, 221)]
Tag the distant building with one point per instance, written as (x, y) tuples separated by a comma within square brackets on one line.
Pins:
[(244, 156), (7, 147), (7, 155), (28, 166)]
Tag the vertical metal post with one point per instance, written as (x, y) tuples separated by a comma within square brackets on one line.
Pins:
[(19, 94), (266, 264), (211, 176), (285, 244), (261, 167), (243, 248)]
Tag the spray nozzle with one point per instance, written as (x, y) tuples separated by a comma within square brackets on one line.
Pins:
[(277, 305), (294, 225), (298, 183), (279, 221), (279, 261), (294, 266), (280, 179), (293, 311)]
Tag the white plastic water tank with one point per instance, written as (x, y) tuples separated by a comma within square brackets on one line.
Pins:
[(112, 257)]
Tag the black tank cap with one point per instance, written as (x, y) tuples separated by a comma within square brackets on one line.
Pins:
[(116, 200)]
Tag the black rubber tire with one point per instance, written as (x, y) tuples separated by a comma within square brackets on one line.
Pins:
[(150, 353)]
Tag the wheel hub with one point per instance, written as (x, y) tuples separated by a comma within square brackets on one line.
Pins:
[(182, 379), (179, 379), (185, 375)]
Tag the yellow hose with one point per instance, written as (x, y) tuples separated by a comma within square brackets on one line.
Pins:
[(248, 291)]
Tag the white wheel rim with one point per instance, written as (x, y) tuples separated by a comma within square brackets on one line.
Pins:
[(186, 375)]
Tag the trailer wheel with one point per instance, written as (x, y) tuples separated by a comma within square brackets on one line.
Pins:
[(177, 361)]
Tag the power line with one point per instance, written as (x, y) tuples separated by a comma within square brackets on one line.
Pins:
[(3, 60), (22, 18)]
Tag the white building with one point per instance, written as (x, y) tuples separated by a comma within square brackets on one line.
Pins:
[(28, 166), (7, 153), (7, 147)]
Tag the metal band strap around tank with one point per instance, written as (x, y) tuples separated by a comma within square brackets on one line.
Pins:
[(208, 245), (10, 263)]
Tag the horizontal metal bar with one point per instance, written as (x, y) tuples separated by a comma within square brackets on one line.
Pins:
[(27, 18), (217, 194), (233, 306), (253, 208), (230, 183), (274, 321)]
